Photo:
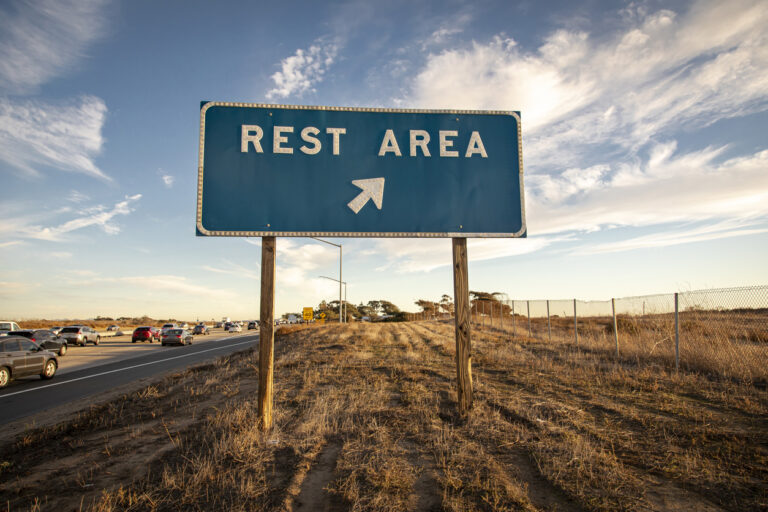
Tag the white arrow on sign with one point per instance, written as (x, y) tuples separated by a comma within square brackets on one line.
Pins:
[(372, 188)]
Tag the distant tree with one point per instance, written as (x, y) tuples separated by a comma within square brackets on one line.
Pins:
[(375, 306), (352, 311), (388, 308), (446, 304), (427, 306), (486, 302), (365, 310), (330, 311)]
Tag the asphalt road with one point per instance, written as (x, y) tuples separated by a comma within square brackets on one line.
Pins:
[(28, 396)]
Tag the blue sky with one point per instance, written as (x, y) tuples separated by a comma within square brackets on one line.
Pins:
[(644, 146)]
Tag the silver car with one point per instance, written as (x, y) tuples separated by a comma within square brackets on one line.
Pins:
[(80, 335), (176, 337)]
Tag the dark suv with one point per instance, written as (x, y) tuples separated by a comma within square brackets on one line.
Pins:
[(20, 357), (145, 333), (44, 338)]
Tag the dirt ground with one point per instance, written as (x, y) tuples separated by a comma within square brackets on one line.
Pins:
[(365, 419)]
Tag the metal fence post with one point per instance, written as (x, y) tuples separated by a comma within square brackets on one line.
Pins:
[(530, 333), (575, 324), (549, 325), (677, 335), (491, 314), (514, 324), (615, 328)]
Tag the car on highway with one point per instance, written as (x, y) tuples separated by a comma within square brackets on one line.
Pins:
[(201, 329), (20, 357), (235, 328), (176, 337), (44, 338), (253, 325), (165, 327), (80, 335), (113, 327), (7, 326), (145, 333)]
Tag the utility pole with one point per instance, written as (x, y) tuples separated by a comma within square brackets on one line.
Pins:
[(340, 276)]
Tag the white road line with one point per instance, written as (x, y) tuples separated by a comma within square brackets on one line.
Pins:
[(122, 369)]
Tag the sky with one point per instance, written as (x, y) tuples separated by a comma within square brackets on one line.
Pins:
[(644, 146)]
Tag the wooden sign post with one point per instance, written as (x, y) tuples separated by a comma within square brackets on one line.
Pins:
[(267, 331), (463, 342)]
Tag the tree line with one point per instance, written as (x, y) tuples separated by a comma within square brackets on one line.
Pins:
[(479, 303), (378, 310), (374, 310)]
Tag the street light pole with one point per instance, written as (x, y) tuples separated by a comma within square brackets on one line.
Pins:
[(345, 297), (340, 276)]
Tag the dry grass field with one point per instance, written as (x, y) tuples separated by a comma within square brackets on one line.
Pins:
[(731, 343), (365, 420)]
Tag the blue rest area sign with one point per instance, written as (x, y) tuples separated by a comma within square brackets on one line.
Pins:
[(280, 170)]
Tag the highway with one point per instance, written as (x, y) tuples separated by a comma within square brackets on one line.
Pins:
[(29, 396)]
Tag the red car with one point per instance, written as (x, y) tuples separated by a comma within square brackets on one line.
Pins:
[(145, 334)]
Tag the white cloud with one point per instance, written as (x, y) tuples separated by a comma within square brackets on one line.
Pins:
[(424, 255), (12, 289), (667, 188), (76, 196), (661, 72), (601, 112), (440, 35), (234, 269), (299, 264), (168, 180), (446, 32), (716, 231), (83, 273), (100, 216), (42, 39), (497, 76), (67, 137), (171, 283), (301, 71), (164, 283)]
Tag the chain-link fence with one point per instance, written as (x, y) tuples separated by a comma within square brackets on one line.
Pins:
[(723, 331)]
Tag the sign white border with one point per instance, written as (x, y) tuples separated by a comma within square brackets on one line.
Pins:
[(351, 234)]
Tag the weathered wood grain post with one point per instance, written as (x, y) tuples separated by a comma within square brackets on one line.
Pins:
[(462, 325), (267, 331)]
